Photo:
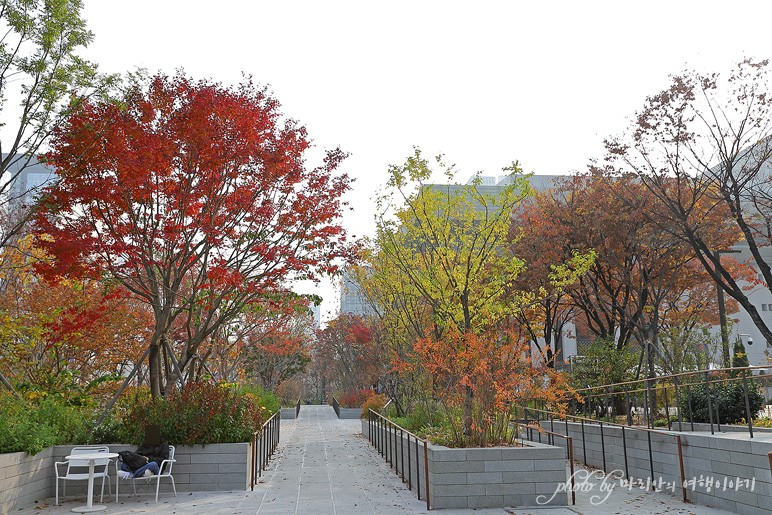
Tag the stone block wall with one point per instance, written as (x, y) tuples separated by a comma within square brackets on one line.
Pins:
[(711, 463), (475, 478), (350, 413), (25, 479), (496, 476)]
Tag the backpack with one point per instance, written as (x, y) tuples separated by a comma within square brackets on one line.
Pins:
[(132, 459)]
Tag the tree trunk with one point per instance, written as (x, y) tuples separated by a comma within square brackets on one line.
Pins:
[(154, 367), (468, 410), (8, 385), (651, 347)]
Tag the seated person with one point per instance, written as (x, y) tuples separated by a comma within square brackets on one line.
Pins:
[(154, 448)]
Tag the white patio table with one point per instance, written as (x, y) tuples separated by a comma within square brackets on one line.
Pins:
[(91, 457)]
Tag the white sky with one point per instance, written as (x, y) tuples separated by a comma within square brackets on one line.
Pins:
[(484, 82)]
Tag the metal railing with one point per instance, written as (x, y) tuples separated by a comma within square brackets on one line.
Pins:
[(336, 406), (672, 393), (264, 442), (554, 417), (297, 408), (389, 440)]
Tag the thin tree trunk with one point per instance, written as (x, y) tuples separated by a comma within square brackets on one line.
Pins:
[(468, 410), (8, 385), (154, 366)]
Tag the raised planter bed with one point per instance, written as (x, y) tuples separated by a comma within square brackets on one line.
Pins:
[(493, 477), (349, 413)]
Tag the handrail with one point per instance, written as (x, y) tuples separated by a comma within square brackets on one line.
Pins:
[(297, 408), (379, 429), (606, 387), (680, 374), (336, 406), (650, 388), (268, 437), (623, 427)]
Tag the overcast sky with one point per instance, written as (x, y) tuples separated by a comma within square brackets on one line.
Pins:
[(485, 83)]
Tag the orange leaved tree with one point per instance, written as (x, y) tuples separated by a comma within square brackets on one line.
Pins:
[(497, 368)]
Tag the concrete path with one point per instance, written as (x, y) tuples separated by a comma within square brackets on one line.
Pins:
[(325, 466)]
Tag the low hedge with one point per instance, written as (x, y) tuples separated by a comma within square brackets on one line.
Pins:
[(201, 414), (727, 399)]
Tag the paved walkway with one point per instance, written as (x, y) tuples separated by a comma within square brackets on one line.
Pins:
[(325, 466)]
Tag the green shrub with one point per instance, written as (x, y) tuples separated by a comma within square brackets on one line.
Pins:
[(269, 402), (31, 426), (662, 422), (728, 397), (418, 419), (202, 413)]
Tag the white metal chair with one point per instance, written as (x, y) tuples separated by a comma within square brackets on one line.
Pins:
[(77, 470), (165, 471)]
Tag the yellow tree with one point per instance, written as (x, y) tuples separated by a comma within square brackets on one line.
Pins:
[(443, 250)]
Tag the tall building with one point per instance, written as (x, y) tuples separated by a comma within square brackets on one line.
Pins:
[(493, 185), (27, 179), (352, 299), (317, 315)]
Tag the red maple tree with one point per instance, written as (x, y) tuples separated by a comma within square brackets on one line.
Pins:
[(196, 198)]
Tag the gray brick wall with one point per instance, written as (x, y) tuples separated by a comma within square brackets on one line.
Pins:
[(477, 478), (25, 479), (711, 457), (350, 413)]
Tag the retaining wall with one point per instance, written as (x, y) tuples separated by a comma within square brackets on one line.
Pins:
[(25, 479), (350, 413), (725, 428), (477, 478), (729, 471)]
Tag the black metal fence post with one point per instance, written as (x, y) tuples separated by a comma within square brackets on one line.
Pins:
[(651, 461), (689, 400), (409, 466), (417, 470), (402, 451), (603, 447), (628, 411), (624, 450)]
